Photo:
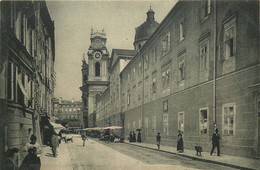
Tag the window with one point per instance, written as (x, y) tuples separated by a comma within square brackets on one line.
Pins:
[(128, 98), (165, 124), (166, 77), (203, 123), (181, 30), (146, 62), (181, 121), (134, 74), (139, 124), (230, 38), (154, 57), (204, 55), (166, 43), (154, 83), (154, 124), (140, 68), (165, 105), (228, 119), (134, 93), (139, 90), (207, 7), (181, 68), (146, 89), (10, 79), (146, 124), (97, 69), (133, 124), (123, 100)]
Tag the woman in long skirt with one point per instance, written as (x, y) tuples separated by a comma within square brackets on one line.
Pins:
[(180, 142)]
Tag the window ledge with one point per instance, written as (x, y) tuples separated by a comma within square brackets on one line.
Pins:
[(230, 58), (204, 19), (181, 40), (181, 82)]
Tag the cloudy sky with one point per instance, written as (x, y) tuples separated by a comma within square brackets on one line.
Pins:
[(73, 22)]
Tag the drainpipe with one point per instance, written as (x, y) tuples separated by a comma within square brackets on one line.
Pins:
[(143, 126), (214, 62)]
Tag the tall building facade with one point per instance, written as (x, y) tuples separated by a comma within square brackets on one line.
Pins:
[(198, 71), (68, 111), (95, 75), (26, 72)]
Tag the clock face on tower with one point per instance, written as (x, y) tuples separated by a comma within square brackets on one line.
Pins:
[(97, 55)]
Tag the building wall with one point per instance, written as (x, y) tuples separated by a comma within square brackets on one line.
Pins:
[(69, 111), (28, 85), (203, 50)]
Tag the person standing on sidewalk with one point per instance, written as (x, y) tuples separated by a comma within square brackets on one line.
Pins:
[(54, 144), (134, 137), (84, 138), (139, 137), (215, 142), (158, 140), (180, 142), (33, 143), (130, 137)]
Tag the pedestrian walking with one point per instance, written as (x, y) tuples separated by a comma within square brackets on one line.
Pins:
[(130, 137), (31, 161), (139, 137), (54, 144), (84, 138), (158, 140), (215, 142), (180, 142), (134, 137)]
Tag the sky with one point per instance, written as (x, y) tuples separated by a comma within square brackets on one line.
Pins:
[(73, 22)]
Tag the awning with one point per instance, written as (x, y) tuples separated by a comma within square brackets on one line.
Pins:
[(94, 128), (57, 127), (113, 128)]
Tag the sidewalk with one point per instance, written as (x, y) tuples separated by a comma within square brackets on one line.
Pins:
[(61, 162), (226, 160)]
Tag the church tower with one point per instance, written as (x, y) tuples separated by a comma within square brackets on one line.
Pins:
[(95, 75)]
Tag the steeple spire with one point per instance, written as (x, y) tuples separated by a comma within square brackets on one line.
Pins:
[(150, 14)]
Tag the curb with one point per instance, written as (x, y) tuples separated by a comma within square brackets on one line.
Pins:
[(195, 158)]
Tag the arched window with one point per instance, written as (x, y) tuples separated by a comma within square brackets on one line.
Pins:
[(97, 69)]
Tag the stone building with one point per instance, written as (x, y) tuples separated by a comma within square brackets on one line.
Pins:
[(68, 111), (26, 72), (95, 76), (198, 71)]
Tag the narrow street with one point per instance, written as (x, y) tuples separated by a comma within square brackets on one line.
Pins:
[(98, 155)]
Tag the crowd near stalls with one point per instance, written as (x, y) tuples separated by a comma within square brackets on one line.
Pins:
[(108, 134)]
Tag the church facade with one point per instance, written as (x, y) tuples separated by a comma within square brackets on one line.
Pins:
[(198, 71)]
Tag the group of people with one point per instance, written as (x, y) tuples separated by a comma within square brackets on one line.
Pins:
[(180, 146), (132, 137), (32, 159)]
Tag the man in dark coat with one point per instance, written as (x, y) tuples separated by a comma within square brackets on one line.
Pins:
[(31, 161), (215, 142), (130, 137), (139, 137), (134, 137), (158, 140)]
